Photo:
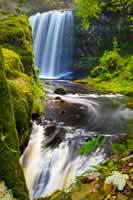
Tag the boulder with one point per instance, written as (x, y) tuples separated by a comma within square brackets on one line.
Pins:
[(61, 91)]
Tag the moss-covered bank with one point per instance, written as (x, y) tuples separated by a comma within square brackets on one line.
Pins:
[(20, 96), (113, 74), (16, 42), (15, 34), (10, 169)]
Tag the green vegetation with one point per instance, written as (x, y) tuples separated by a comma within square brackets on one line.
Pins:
[(92, 184), (124, 146), (87, 9), (20, 96), (92, 145), (30, 6), (16, 40), (114, 72), (15, 34), (124, 7), (10, 169), (5, 194)]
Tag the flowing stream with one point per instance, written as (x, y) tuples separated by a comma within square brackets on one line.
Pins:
[(51, 160)]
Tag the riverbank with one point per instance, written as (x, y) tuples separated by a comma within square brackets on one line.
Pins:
[(114, 86)]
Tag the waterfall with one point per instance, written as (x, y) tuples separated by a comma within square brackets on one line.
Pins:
[(48, 167), (52, 159), (53, 43)]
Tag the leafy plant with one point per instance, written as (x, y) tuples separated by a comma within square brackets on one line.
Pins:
[(110, 64), (124, 7), (92, 145), (129, 69), (87, 9), (125, 146)]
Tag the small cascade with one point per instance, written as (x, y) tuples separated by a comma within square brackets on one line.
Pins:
[(52, 158), (53, 43), (51, 163)]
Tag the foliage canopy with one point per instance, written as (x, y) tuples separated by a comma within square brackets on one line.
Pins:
[(87, 9)]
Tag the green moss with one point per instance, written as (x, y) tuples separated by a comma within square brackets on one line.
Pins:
[(22, 93), (10, 169), (110, 65), (114, 74), (130, 103), (15, 34), (19, 93), (13, 63), (39, 95), (116, 85), (22, 110), (5, 194)]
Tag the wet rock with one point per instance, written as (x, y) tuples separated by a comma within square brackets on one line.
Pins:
[(91, 177), (130, 105), (77, 116), (61, 91), (47, 82), (62, 112), (35, 116), (54, 135), (59, 99), (108, 188), (50, 129)]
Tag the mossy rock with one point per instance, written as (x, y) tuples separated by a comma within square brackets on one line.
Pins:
[(60, 90), (130, 105), (15, 34), (21, 88), (5, 194), (25, 92), (19, 95), (12, 63), (10, 169)]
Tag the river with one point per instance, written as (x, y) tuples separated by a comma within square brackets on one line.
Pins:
[(52, 160)]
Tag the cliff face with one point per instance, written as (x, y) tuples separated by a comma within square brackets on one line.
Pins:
[(20, 96), (10, 169), (30, 7), (16, 43), (90, 44)]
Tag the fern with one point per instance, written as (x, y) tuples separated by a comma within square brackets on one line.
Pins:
[(92, 145)]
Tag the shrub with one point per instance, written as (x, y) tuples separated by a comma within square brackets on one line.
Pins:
[(129, 69), (110, 65), (111, 61)]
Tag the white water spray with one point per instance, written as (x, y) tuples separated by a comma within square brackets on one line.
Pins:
[(48, 169)]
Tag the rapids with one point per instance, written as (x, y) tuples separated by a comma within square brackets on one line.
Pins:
[(51, 160)]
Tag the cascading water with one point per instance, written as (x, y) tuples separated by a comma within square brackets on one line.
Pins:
[(51, 164), (53, 43), (51, 160)]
